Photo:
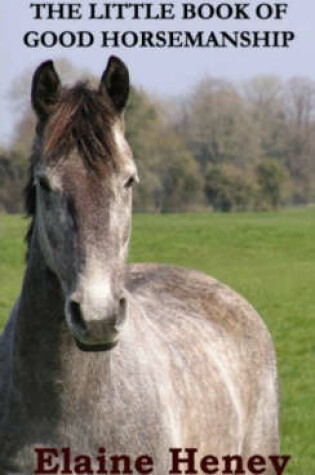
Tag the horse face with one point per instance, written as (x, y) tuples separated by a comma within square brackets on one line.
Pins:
[(83, 201)]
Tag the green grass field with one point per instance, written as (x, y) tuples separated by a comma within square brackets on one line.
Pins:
[(269, 258)]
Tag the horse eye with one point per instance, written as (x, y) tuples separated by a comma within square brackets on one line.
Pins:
[(44, 183), (129, 182)]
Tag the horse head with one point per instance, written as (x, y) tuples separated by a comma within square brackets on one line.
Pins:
[(82, 177)]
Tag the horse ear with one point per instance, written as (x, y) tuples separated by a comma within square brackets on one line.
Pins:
[(46, 88), (115, 83)]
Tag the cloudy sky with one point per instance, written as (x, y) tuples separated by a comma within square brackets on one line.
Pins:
[(163, 71)]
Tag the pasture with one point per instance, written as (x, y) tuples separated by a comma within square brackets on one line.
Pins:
[(268, 257)]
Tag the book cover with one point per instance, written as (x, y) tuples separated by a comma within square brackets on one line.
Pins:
[(199, 117)]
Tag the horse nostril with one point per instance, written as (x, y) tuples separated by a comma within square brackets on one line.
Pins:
[(76, 317)]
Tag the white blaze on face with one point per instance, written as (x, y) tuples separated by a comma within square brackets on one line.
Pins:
[(99, 289), (95, 292)]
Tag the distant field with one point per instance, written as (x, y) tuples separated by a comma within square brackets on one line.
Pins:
[(269, 258)]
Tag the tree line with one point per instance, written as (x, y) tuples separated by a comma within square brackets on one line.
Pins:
[(224, 146)]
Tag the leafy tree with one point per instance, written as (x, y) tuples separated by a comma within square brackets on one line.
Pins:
[(12, 180), (270, 177), (227, 189), (266, 106), (301, 146), (217, 126)]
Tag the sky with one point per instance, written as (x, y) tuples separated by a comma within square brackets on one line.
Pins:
[(166, 72)]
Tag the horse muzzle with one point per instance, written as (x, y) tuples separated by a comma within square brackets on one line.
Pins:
[(95, 329)]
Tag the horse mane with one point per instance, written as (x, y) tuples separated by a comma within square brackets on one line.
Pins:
[(81, 119)]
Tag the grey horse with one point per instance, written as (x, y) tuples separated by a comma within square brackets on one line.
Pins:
[(100, 357)]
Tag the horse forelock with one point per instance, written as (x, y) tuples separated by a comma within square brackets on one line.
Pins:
[(82, 119)]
